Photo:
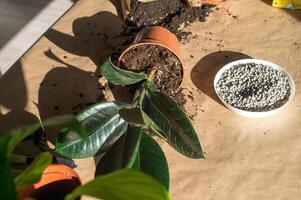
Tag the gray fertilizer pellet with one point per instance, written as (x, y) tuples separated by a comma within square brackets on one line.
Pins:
[(253, 87)]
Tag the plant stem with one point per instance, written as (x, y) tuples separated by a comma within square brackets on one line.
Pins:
[(141, 97), (151, 74), (149, 79)]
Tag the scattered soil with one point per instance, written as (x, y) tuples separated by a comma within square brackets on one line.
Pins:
[(168, 69), (173, 15)]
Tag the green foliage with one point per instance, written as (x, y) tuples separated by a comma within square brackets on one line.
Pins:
[(175, 125), (121, 131), (7, 186), (119, 76), (122, 185), (138, 151), (66, 123), (151, 160), (11, 139), (33, 172), (103, 126), (122, 154)]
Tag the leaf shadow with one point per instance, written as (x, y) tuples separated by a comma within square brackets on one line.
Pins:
[(13, 100), (96, 36), (67, 90)]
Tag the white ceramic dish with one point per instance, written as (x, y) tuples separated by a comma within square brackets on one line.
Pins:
[(250, 113)]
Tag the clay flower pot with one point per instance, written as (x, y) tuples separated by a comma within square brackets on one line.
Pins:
[(57, 181), (156, 35)]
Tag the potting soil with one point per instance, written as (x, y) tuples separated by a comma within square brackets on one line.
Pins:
[(173, 15), (168, 73)]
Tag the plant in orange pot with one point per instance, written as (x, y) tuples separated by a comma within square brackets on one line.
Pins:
[(42, 180), (10, 186), (123, 131)]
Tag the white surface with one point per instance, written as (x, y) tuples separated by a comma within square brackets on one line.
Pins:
[(249, 113), (31, 32)]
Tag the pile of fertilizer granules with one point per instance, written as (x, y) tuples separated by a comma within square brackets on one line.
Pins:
[(253, 87)]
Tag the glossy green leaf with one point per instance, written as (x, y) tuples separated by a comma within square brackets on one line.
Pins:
[(103, 126), (34, 171), (122, 154), (175, 125), (132, 115), (151, 160), (122, 185), (119, 76), (66, 122), (138, 117)]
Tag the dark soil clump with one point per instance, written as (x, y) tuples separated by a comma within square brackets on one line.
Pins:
[(168, 69), (171, 14)]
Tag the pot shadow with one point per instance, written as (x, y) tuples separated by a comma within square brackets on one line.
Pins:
[(203, 73), (294, 13), (13, 100), (96, 37), (67, 90)]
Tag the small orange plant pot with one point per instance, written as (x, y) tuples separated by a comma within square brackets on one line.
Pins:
[(156, 35), (56, 182)]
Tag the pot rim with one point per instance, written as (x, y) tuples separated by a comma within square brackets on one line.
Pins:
[(153, 43), (60, 171)]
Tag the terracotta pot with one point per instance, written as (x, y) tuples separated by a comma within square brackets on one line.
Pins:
[(57, 181), (156, 35)]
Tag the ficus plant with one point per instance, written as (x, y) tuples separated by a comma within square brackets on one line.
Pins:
[(124, 184), (123, 130)]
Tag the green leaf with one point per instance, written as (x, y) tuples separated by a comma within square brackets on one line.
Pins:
[(151, 86), (34, 171), (173, 122), (137, 116), (132, 115), (122, 185), (122, 154), (7, 186), (103, 126), (8, 143), (10, 140), (129, 152), (119, 76), (66, 122), (151, 160)]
